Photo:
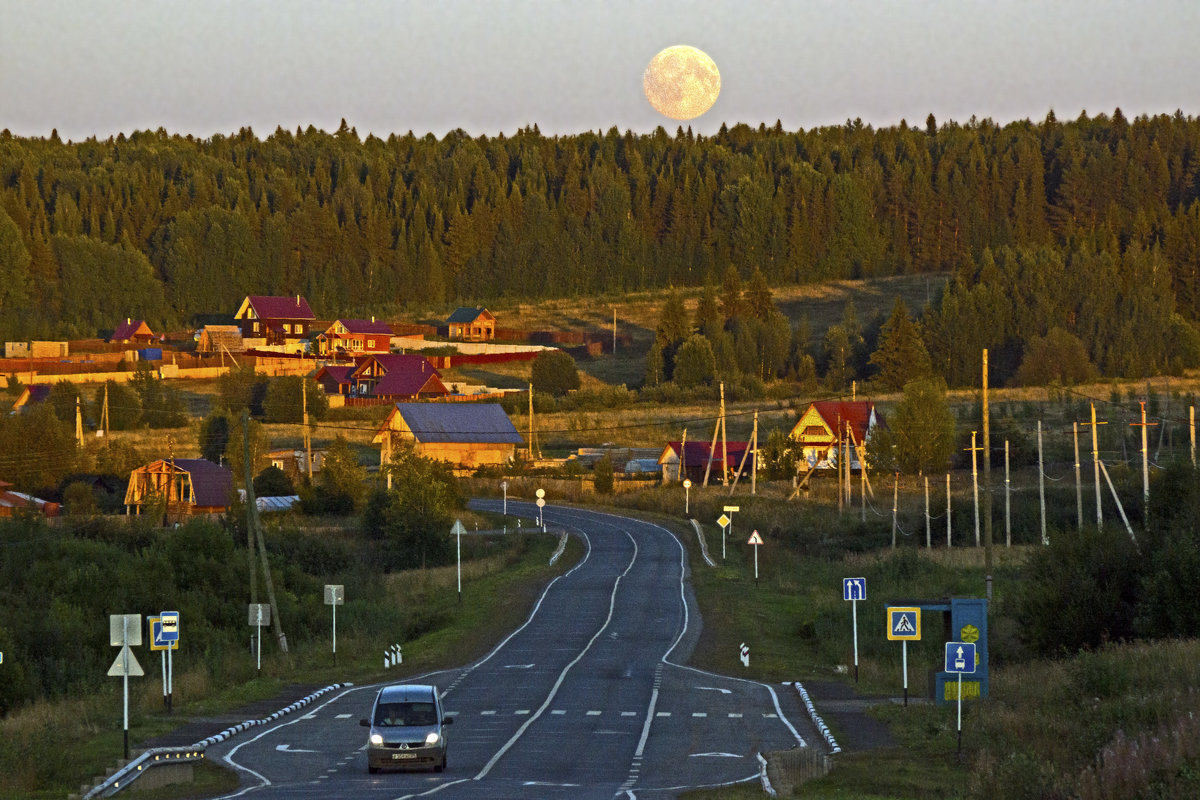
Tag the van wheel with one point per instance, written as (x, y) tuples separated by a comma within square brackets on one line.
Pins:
[(440, 766)]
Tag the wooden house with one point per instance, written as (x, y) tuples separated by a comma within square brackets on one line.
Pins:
[(189, 486), (278, 320), (471, 325), (16, 503), (354, 337), (465, 435), (220, 339), (31, 394), (133, 331), (691, 460), (825, 424), (335, 379), (397, 376), (294, 462)]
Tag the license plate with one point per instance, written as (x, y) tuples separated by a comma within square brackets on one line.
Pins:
[(397, 756)]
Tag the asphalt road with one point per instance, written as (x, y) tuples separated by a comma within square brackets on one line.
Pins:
[(590, 698)]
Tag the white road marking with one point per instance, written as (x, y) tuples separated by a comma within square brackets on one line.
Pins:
[(734, 715), (699, 714), (518, 666), (628, 713), (486, 713), (558, 713), (340, 716), (287, 748), (312, 716), (593, 713), (770, 716), (713, 689), (521, 711), (662, 714), (715, 755)]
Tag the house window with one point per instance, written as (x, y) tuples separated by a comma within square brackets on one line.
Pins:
[(299, 329), (256, 327), (287, 327)]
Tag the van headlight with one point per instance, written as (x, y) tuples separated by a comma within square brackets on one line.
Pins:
[(376, 739), (432, 738)]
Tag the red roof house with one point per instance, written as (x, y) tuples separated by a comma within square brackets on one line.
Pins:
[(397, 376), (133, 331), (355, 337), (818, 429), (695, 460), (335, 379), (276, 319)]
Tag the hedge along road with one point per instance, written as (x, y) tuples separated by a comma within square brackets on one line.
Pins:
[(590, 698)]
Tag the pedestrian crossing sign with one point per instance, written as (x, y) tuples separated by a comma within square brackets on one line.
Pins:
[(904, 623)]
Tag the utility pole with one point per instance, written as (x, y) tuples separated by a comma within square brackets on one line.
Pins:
[(104, 415), (948, 518), (307, 435), (1096, 464), (682, 456), (614, 330), (1007, 503), (256, 532), (1042, 485), (975, 482), (928, 530), (840, 461), (895, 507), (1192, 433), (78, 424), (1078, 480), (724, 441), (1145, 460), (987, 481), (251, 509)]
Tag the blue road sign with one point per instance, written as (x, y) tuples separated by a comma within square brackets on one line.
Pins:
[(854, 588), (157, 640), (960, 658), (904, 623), (169, 620)]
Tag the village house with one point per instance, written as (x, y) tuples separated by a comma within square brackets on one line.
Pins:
[(189, 486), (471, 325), (826, 424), (696, 457), (225, 339), (397, 376), (15, 503), (132, 331), (465, 435), (31, 394), (335, 379), (354, 337), (278, 320), (294, 462)]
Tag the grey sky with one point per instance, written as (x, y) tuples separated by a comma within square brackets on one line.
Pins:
[(97, 67)]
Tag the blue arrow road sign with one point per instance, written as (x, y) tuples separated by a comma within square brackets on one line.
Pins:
[(854, 588), (960, 657)]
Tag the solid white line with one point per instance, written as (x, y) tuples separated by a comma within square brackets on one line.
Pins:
[(562, 676)]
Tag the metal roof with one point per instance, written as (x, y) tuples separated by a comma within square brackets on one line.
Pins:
[(458, 422)]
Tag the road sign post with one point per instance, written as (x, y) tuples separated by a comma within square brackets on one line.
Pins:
[(335, 595), (723, 521), (260, 617), (854, 589), (458, 530), (728, 511), (904, 624), (125, 630), (755, 540), (960, 659), (504, 488), (541, 503), (687, 487)]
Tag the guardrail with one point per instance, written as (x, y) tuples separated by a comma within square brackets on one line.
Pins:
[(163, 756)]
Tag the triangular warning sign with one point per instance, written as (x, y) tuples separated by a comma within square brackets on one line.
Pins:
[(126, 664), (755, 538), (458, 529), (904, 624)]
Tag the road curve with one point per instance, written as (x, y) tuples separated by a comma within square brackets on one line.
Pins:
[(590, 697)]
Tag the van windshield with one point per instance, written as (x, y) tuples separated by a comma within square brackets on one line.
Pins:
[(392, 715)]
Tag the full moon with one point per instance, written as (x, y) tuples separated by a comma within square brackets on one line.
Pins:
[(682, 82)]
